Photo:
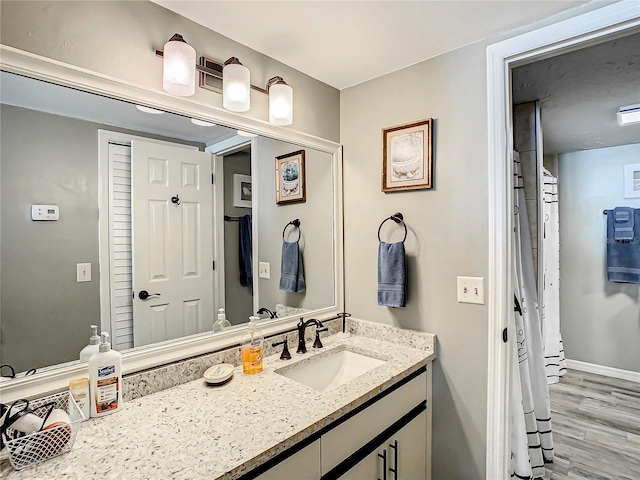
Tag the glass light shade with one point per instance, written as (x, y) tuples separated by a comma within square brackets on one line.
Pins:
[(236, 88), (280, 104), (179, 72)]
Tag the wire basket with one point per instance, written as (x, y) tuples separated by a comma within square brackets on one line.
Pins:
[(45, 444)]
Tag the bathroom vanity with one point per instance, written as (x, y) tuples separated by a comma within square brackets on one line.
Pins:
[(269, 426)]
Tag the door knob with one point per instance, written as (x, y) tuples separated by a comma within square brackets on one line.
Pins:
[(143, 295)]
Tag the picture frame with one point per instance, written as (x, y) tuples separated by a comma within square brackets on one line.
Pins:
[(242, 191), (291, 183), (632, 180), (407, 162)]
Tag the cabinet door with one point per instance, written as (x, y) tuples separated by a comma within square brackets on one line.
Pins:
[(303, 465), (371, 467), (407, 449)]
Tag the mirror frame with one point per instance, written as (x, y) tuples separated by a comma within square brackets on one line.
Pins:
[(27, 64)]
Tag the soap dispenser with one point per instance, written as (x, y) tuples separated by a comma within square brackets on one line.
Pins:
[(93, 347), (105, 378), (222, 321), (252, 348)]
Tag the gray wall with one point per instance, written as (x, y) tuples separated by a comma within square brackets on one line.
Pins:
[(316, 221), (119, 38), (447, 234), (600, 320), (48, 159), (238, 301)]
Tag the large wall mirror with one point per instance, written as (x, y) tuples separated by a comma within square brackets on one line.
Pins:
[(150, 222)]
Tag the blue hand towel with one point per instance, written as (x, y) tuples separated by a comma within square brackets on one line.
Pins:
[(392, 275), (244, 256), (291, 269), (623, 256), (623, 223)]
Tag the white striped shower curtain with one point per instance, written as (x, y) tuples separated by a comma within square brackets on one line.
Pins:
[(555, 364), (531, 437)]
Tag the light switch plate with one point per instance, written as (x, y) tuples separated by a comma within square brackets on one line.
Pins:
[(471, 290), (264, 270), (83, 273)]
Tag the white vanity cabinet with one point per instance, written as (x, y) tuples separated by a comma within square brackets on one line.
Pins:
[(387, 438), (400, 457)]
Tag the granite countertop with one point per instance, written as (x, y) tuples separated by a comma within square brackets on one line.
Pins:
[(195, 431)]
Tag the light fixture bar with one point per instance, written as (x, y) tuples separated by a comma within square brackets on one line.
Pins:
[(211, 68)]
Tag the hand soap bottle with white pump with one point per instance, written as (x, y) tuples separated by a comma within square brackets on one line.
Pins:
[(93, 347), (105, 378), (222, 321)]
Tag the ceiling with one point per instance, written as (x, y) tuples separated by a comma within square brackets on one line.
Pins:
[(344, 43), (580, 94)]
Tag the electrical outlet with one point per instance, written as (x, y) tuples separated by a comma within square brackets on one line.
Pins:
[(83, 272), (471, 290), (264, 270)]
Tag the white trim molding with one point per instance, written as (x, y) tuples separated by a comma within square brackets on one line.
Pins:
[(629, 375), (594, 26)]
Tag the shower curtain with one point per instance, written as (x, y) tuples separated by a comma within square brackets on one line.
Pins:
[(555, 364), (531, 437)]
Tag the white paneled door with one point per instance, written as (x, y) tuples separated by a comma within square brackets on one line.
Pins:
[(172, 242)]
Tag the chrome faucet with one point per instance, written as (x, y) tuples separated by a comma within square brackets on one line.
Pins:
[(302, 325)]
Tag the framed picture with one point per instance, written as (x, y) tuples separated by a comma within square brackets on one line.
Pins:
[(406, 157), (632, 180), (241, 190), (291, 183)]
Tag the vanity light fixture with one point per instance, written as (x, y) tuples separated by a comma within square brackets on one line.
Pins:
[(236, 86), (178, 73), (231, 79), (202, 123), (629, 114), (153, 111), (280, 102)]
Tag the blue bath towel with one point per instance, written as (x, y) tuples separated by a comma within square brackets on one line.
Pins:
[(623, 223), (623, 256), (244, 257), (291, 268), (392, 275)]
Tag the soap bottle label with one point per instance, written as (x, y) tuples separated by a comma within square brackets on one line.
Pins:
[(106, 394)]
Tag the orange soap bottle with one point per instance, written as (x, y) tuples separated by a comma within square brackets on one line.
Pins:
[(252, 348)]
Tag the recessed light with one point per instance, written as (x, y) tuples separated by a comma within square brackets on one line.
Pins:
[(629, 114), (153, 111), (202, 123), (242, 133)]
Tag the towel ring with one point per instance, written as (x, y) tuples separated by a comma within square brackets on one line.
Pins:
[(295, 223), (398, 218)]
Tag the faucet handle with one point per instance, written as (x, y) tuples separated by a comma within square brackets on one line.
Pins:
[(317, 343), (285, 350)]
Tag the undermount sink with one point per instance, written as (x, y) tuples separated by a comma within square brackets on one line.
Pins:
[(326, 372)]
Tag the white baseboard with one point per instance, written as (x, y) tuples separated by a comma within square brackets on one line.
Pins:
[(602, 370)]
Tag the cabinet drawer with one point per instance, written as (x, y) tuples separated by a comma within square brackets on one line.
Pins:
[(349, 436)]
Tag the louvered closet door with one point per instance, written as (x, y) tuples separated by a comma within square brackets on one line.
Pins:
[(172, 243), (120, 245)]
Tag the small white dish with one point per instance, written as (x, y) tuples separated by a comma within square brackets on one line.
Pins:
[(218, 373)]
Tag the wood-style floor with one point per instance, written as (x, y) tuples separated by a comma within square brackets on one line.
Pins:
[(596, 428)]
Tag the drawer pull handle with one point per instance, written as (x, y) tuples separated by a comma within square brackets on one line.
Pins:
[(394, 470), (383, 456)]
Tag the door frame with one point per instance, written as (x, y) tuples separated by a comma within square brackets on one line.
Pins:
[(577, 32)]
